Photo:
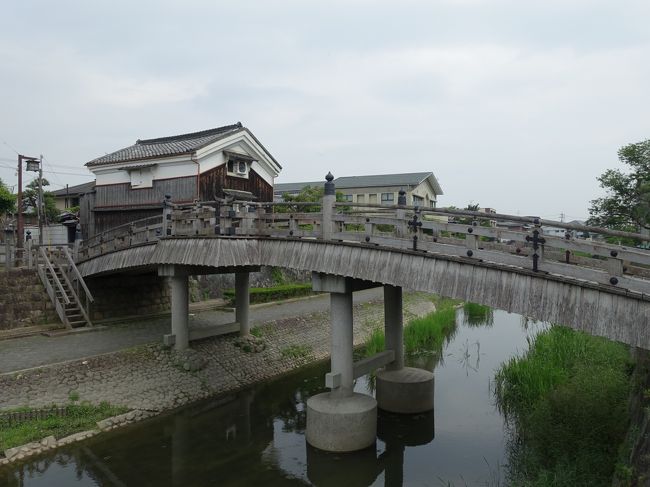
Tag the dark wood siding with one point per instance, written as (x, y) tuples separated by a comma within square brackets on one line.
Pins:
[(121, 195), (212, 183), (105, 220)]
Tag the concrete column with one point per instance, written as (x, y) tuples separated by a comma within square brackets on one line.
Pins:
[(401, 389), (342, 342), (393, 325), (180, 311), (341, 420), (242, 302)]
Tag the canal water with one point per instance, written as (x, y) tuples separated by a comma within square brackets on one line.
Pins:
[(256, 437)]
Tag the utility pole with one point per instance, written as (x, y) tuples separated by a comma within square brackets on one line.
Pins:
[(20, 226), (41, 203)]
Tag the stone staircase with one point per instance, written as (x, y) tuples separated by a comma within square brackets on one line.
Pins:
[(65, 286)]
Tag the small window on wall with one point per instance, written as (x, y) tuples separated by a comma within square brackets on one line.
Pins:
[(387, 198), (361, 198), (238, 167), (347, 197), (141, 178), (418, 200)]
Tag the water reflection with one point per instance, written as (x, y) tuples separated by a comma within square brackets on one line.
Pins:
[(256, 437)]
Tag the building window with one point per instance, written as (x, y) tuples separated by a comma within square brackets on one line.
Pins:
[(361, 198), (418, 200), (372, 198), (387, 198), (238, 167), (347, 197)]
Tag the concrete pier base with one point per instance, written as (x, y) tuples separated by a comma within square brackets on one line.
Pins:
[(341, 424), (407, 390)]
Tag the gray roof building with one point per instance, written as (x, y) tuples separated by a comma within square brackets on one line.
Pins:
[(421, 187), (174, 145)]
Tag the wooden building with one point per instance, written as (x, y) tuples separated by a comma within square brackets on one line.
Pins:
[(131, 183)]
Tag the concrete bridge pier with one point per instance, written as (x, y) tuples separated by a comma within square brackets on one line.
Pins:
[(341, 420), (242, 302), (179, 284), (400, 389)]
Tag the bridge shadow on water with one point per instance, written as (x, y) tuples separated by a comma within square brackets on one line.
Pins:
[(256, 436)]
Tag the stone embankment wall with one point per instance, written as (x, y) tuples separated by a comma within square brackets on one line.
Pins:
[(133, 295), (23, 300)]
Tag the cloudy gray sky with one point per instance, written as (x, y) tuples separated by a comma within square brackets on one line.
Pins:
[(513, 104)]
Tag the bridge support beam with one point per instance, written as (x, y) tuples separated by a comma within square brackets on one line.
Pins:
[(242, 302), (401, 389), (340, 420)]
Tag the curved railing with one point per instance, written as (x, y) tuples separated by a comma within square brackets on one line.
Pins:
[(575, 251)]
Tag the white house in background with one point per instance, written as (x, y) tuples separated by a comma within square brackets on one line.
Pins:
[(422, 188), (131, 183)]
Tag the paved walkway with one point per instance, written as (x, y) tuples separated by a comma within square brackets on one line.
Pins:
[(152, 378), (35, 351)]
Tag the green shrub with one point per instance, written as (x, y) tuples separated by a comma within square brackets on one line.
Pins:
[(275, 293)]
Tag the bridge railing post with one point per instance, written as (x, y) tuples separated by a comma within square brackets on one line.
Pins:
[(167, 216), (329, 198), (401, 227), (471, 240)]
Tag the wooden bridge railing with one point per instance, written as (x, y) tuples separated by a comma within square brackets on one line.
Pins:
[(459, 233)]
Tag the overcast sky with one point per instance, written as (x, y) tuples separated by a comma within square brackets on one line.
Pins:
[(516, 105)]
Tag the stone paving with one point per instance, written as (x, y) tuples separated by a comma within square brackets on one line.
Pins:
[(149, 377)]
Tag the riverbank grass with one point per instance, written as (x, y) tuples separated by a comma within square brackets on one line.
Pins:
[(567, 400), (421, 334), (79, 417)]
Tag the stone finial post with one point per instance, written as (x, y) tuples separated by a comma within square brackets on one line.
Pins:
[(29, 244), (400, 214), (401, 197), (329, 198), (167, 215)]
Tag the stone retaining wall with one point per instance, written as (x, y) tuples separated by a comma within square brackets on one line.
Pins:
[(120, 296), (23, 300)]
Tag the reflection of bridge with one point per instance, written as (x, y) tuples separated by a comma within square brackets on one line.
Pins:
[(354, 246)]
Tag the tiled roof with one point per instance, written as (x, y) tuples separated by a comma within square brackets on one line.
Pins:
[(375, 180), (295, 187), (77, 189), (370, 181), (166, 146)]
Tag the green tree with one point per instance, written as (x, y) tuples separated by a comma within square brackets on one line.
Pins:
[(308, 194), (626, 206), (7, 200), (30, 200)]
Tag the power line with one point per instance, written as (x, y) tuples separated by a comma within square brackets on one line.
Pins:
[(54, 172), (5, 143)]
